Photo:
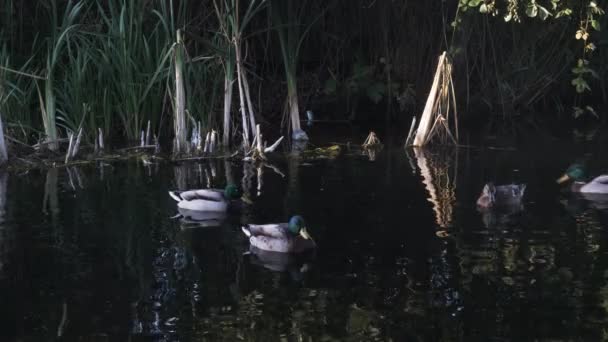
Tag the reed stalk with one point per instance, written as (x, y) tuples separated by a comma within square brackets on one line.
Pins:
[(228, 90), (3, 151), (233, 27), (179, 123), (287, 16)]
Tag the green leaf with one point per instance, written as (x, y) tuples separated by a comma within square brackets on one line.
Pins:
[(580, 84), (532, 10), (595, 24), (592, 111), (543, 13), (474, 3), (593, 73), (564, 13)]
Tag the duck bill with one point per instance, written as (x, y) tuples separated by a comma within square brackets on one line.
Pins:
[(563, 179), (304, 234)]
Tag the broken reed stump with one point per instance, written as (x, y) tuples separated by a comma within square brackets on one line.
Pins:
[(441, 102), (257, 150), (371, 141)]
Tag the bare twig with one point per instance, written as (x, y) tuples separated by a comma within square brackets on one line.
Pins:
[(411, 132), (148, 136), (273, 146), (76, 146), (70, 146)]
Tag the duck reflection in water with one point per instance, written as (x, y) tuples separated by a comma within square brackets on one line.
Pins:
[(195, 218), (296, 264), (576, 204)]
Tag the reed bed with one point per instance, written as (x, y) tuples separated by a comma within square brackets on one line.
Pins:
[(123, 66)]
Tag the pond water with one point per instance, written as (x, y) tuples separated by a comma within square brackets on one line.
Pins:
[(95, 253)]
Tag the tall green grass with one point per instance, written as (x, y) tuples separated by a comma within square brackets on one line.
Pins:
[(132, 56)]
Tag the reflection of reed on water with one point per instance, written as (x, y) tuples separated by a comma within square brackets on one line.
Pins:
[(7, 232), (439, 171), (50, 202), (3, 192), (196, 176), (372, 151), (74, 177)]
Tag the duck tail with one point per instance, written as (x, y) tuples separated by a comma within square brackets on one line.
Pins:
[(246, 231), (176, 216), (175, 196)]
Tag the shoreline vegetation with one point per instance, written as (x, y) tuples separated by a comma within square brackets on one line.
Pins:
[(209, 77)]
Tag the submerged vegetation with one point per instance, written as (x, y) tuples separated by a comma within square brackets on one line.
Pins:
[(125, 67)]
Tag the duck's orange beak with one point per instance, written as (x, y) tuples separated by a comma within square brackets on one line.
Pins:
[(563, 179), (304, 234), (246, 199)]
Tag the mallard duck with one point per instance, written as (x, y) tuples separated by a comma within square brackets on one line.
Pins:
[(501, 195), (576, 173), (206, 199), (290, 237)]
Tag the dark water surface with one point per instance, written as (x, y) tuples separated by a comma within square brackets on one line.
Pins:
[(93, 253)]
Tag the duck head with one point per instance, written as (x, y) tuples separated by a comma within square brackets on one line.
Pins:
[(232, 192), (297, 226), (575, 172), (487, 197)]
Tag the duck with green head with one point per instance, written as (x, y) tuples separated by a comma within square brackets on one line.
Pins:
[(287, 237), (215, 200), (576, 173)]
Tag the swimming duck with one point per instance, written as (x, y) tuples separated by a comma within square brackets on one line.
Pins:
[(289, 237), (576, 172), (207, 199), (501, 195)]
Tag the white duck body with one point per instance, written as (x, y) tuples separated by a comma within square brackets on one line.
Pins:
[(599, 185), (201, 200)]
